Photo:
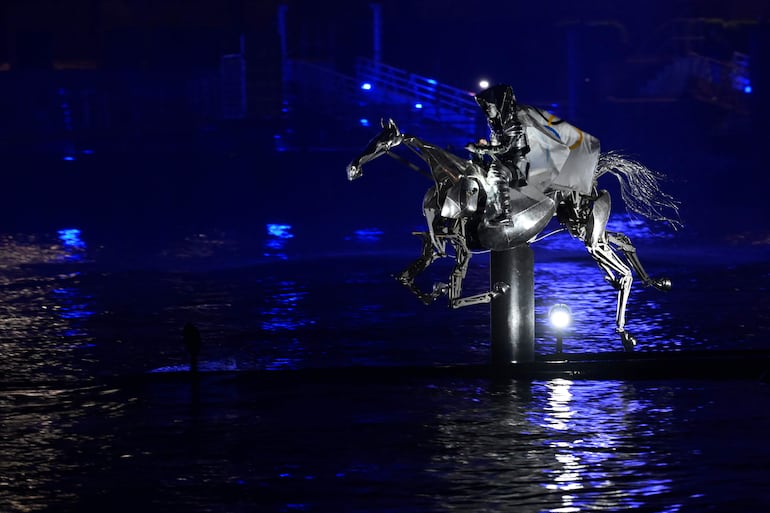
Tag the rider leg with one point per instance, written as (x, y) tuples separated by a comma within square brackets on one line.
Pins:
[(499, 178), (522, 171)]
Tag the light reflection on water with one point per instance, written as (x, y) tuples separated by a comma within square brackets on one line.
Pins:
[(557, 446), (43, 441), (73, 244), (466, 445), (590, 448), (447, 446), (281, 311), (43, 309), (563, 446), (278, 237)]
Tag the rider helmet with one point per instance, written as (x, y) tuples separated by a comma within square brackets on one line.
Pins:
[(499, 105)]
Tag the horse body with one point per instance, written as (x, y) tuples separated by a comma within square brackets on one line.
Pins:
[(460, 211)]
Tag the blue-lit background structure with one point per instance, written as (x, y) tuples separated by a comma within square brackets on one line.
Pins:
[(247, 96), (168, 162)]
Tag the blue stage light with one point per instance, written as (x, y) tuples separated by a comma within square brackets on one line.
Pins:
[(418, 105), (366, 86), (364, 122), (747, 89)]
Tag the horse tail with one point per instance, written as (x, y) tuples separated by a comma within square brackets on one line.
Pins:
[(640, 188)]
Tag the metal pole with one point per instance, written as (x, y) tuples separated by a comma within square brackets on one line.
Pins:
[(513, 313)]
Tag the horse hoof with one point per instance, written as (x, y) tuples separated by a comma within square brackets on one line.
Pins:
[(354, 172), (628, 341), (663, 284), (500, 288)]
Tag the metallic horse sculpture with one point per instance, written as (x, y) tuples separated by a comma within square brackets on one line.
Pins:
[(462, 209)]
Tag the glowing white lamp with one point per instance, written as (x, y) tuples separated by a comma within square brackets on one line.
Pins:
[(560, 316)]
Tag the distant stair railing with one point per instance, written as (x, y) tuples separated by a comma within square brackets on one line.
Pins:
[(450, 105), (451, 114), (320, 85)]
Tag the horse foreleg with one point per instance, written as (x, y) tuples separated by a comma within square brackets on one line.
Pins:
[(498, 289), (609, 262), (622, 242), (427, 257), (462, 258)]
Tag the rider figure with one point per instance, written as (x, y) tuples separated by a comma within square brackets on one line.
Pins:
[(507, 146)]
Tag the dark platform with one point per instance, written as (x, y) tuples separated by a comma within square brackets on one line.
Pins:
[(709, 365)]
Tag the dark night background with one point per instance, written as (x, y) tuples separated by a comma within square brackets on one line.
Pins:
[(138, 95), (174, 161)]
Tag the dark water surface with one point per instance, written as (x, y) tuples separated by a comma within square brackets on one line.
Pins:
[(84, 322)]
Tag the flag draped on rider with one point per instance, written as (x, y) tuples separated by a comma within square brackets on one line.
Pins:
[(561, 155)]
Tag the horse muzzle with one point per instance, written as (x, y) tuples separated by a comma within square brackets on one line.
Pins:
[(354, 171)]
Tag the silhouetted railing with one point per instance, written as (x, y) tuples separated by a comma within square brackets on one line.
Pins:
[(449, 104), (320, 86), (419, 104)]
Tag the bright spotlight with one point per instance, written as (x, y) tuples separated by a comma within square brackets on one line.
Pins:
[(484, 84), (366, 86), (560, 316)]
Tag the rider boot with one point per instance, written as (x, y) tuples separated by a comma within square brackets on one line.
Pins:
[(522, 171), (499, 178)]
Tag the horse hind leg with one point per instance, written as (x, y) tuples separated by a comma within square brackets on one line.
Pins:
[(622, 242), (619, 275)]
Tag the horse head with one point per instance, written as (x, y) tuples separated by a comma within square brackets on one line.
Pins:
[(388, 138)]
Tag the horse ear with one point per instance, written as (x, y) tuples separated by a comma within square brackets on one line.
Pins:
[(392, 125), (382, 122)]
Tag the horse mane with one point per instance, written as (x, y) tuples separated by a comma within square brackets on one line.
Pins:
[(441, 162), (640, 188)]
